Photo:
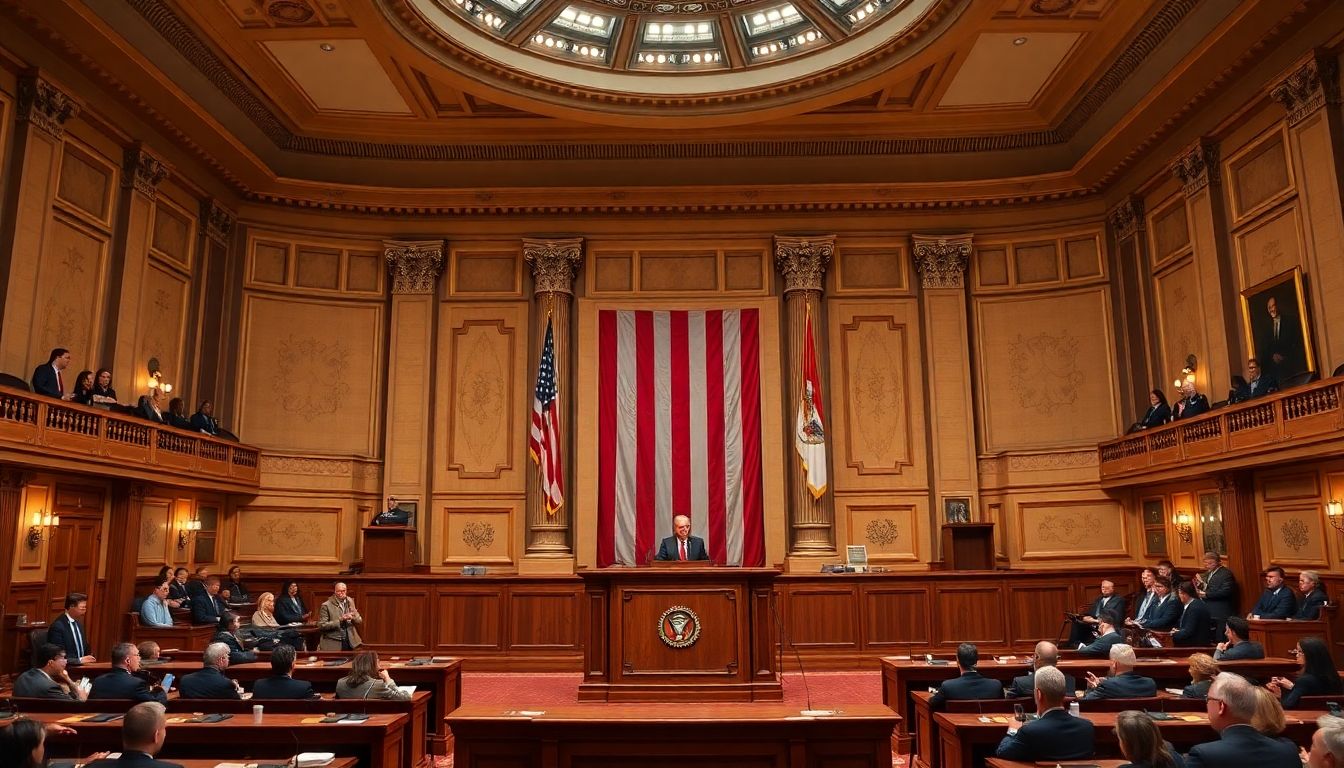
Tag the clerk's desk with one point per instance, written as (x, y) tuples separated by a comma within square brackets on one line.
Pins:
[(964, 736), (377, 742), (902, 676), (443, 681)]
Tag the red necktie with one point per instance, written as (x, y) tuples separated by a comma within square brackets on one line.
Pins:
[(59, 386), (683, 550)]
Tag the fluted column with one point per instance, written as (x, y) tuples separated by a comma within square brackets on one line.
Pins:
[(802, 261), (35, 156), (1197, 170), (123, 536), (1310, 95), (550, 548), (415, 266), (941, 262)]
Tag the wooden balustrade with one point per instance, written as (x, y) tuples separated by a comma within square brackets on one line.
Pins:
[(1284, 426), (42, 432)]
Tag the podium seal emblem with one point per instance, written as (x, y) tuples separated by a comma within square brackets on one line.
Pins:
[(679, 627)]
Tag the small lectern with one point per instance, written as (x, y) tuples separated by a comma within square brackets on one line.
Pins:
[(968, 546), (389, 549)]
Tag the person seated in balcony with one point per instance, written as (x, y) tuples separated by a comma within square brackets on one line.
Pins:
[(1191, 404), (151, 407), (240, 648), (1317, 674), (177, 414), (1259, 383), (154, 610), (1158, 413), (103, 393), (1314, 598), (48, 378), (1277, 601), (203, 420), (1240, 391), (83, 393)]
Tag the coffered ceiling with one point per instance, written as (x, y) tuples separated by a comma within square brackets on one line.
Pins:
[(287, 98)]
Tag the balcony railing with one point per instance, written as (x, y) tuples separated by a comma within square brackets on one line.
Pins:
[(39, 431), (1262, 431)]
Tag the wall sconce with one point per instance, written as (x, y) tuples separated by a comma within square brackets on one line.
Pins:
[(156, 378), (1183, 528), (1334, 511), (1188, 372), (42, 523), (187, 531)]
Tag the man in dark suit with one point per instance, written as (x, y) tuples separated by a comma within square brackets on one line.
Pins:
[(1144, 599), (48, 680), (1237, 646), (49, 378), (142, 733), (1314, 598), (1279, 342), (67, 631), (178, 588), (121, 682), (1107, 635), (971, 684), (203, 420), (1196, 627), (1085, 626), (197, 584), (1047, 655), (1123, 682), (1258, 383), (210, 682), (1277, 601), (683, 546), (281, 684), (1191, 404), (1164, 611), (1231, 705), (1217, 587), (1054, 735), (208, 607), (1327, 743)]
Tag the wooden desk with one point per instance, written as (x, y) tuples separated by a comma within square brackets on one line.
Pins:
[(995, 762), (416, 710), (376, 741), (196, 762), (706, 735), (901, 677), (964, 736), (443, 681), (1280, 637)]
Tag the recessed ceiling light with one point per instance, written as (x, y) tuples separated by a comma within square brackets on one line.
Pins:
[(1020, 41), (328, 47)]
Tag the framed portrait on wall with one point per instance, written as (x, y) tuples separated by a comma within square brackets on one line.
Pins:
[(1154, 527), (1211, 522), (957, 509), (1274, 314)]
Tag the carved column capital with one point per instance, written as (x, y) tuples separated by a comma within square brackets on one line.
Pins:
[(1127, 217), (415, 264), (941, 260), (1197, 167), (803, 261), (142, 171), (554, 263), (44, 105), (12, 479), (218, 221), (1311, 85)]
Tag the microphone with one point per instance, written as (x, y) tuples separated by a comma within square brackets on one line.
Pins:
[(802, 671)]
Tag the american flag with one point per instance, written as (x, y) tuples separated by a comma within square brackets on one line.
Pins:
[(679, 433), (544, 440)]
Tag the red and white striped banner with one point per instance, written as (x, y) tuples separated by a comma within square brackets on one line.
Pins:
[(679, 432)]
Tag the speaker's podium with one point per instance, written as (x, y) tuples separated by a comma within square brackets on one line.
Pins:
[(389, 549), (679, 632)]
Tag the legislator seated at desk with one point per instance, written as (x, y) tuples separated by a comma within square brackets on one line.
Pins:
[(1277, 601), (1164, 610), (1231, 706), (1203, 669), (1084, 627), (1107, 636), (682, 546), (1122, 682), (1314, 598), (143, 731), (1317, 674), (1196, 627), (49, 679), (122, 682), (281, 684), (1054, 735), (971, 684), (1237, 645), (1046, 655), (210, 682)]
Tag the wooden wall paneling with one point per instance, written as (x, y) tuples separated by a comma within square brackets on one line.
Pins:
[(894, 528), (869, 267), (469, 619), (29, 564), (1175, 290), (823, 617), (1054, 528), (1035, 610), (28, 598), (895, 618), (396, 618), (1216, 288), (971, 611), (544, 617), (480, 532), (293, 535), (408, 443)]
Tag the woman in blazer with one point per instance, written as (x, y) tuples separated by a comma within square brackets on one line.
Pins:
[(289, 606), (1317, 674), (1159, 412), (368, 681)]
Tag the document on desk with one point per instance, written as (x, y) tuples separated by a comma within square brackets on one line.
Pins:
[(406, 689)]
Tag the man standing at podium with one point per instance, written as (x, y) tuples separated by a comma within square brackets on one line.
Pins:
[(683, 546)]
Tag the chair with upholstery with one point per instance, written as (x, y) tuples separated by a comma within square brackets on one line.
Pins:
[(10, 380)]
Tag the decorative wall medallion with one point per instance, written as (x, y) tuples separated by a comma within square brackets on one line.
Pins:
[(288, 535), (1295, 534), (679, 627), (290, 11), (310, 376), (881, 532), (1047, 374), (478, 535), (1069, 530), (149, 533)]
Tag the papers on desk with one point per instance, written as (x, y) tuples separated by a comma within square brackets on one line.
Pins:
[(406, 689), (440, 659), (1174, 691), (525, 713), (314, 759)]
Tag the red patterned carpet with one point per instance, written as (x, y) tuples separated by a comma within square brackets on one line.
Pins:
[(827, 689)]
